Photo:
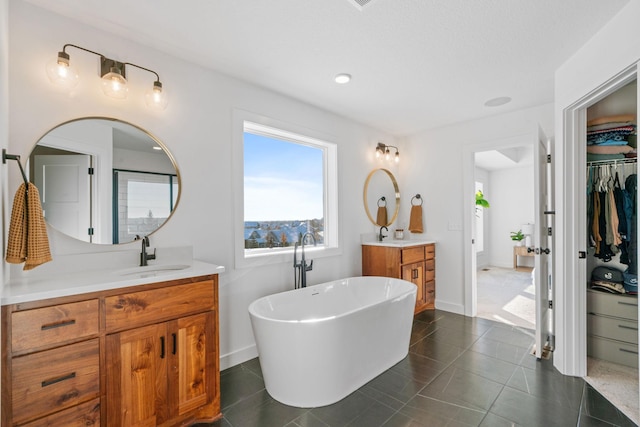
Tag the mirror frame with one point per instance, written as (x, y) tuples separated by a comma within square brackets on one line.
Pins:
[(366, 202), (150, 136)]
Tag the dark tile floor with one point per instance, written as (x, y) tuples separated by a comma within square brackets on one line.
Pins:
[(460, 371)]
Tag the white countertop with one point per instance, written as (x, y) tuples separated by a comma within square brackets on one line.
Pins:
[(27, 289), (398, 243)]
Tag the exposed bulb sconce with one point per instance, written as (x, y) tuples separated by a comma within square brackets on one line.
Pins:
[(383, 150), (113, 74)]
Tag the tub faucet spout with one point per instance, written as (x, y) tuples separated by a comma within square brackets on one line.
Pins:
[(300, 268)]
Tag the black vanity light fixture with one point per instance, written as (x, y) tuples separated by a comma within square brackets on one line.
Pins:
[(383, 150), (113, 74)]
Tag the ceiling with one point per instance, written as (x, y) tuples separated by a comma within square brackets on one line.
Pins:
[(508, 158), (416, 64)]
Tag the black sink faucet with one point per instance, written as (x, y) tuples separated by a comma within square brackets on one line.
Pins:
[(380, 235), (144, 256)]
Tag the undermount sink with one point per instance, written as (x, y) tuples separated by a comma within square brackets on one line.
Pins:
[(152, 269)]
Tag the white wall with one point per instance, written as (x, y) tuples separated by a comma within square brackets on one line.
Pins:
[(196, 127), (4, 126), (582, 74), (437, 173), (511, 206)]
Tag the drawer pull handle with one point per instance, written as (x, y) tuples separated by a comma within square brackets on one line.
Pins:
[(58, 325), (161, 347), (175, 342), (628, 351), (627, 303), (59, 379), (627, 327), (414, 273)]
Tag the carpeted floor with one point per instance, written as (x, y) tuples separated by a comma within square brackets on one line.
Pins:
[(508, 296)]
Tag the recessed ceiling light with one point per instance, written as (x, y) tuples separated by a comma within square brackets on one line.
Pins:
[(496, 102), (343, 78), (155, 147)]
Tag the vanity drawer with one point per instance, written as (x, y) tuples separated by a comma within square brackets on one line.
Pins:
[(83, 415), (430, 292), (613, 328), (430, 264), (135, 309), (412, 254), (52, 380), (48, 327), (429, 275), (613, 351), (612, 305), (430, 251)]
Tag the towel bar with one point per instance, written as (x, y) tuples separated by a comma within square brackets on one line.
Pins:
[(15, 157)]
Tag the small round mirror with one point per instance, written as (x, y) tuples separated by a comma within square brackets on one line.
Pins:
[(382, 196), (103, 180)]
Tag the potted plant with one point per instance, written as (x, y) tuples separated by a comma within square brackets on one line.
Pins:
[(517, 236), (480, 200)]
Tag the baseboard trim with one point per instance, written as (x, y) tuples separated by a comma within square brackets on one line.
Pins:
[(237, 357), (447, 306)]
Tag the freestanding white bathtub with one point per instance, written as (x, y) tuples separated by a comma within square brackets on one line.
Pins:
[(320, 343)]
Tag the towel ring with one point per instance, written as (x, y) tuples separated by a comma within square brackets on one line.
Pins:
[(417, 196), (383, 200)]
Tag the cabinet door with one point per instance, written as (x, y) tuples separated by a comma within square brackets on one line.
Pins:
[(415, 273), (192, 366), (137, 377)]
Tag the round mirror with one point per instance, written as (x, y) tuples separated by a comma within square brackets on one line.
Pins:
[(382, 196), (104, 180)]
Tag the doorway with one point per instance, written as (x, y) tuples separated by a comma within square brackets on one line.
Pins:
[(505, 290)]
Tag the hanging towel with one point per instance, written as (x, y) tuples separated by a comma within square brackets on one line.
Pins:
[(28, 241), (381, 218), (415, 219)]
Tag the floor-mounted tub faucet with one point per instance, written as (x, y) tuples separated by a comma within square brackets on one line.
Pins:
[(380, 235), (144, 256), (300, 268)]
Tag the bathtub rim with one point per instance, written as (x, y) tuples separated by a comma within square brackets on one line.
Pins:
[(411, 289)]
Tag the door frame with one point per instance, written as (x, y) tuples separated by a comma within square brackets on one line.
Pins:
[(570, 295), (468, 168)]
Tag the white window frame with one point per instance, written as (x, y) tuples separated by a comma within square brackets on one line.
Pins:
[(245, 121)]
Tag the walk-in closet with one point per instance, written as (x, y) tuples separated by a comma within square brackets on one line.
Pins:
[(612, 301)]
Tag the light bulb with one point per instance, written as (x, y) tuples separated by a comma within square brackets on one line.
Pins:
[(156, 98), (397, 157), (114, 84), (387, 154), (61, 73)]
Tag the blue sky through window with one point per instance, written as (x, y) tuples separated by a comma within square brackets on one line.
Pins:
[(282, 180)]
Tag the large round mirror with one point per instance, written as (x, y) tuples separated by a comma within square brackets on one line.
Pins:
[(382, 196), (103, 180)]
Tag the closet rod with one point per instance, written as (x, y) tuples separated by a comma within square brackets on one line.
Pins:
[(15, 157)]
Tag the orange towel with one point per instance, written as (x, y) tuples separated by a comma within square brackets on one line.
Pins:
[(381, 218), (28, 241), (415, 219)]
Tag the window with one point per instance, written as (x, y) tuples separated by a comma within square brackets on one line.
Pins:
[(289, 190), (142, 202)]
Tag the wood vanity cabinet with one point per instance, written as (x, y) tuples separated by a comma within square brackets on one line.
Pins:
[(145, 355), (416, 264)]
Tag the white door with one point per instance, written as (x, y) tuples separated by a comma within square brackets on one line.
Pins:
[(64, 186), (542, 242)]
